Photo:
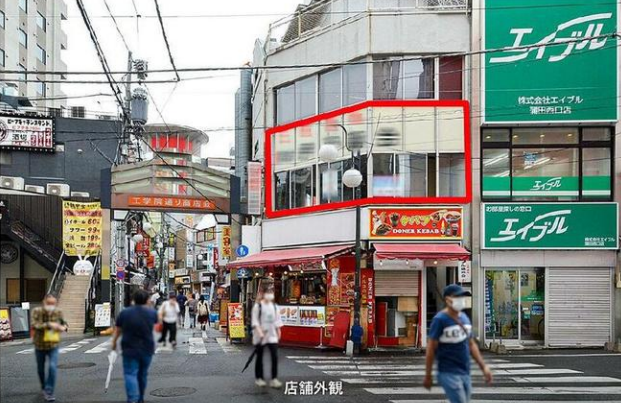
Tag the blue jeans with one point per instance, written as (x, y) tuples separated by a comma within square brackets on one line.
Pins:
[(47, 384), (458, 388), (136, 370)]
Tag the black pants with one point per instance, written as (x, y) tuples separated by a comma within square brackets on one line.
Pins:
[(258, 367), (172, 328)]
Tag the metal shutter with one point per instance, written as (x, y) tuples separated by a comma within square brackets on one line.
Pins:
[(579, 306), (396, 283)]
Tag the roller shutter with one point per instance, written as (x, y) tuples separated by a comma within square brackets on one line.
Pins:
[(579, 306), (397, 283)]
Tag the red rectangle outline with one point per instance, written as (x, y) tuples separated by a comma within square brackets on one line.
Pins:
[(271, 213)]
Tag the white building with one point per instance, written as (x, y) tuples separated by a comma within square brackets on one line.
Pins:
[(31, 38)]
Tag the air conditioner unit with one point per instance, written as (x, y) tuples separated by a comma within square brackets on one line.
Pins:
[(34, 189), (58, 189), (12, 182), (80, 194)]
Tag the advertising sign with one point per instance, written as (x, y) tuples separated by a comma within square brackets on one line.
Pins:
[(103, 315), (546, 186), (225, 239), (5, 325), (143, 248), (82, 228), (550, 226), (167, 202), (289, 315), (435, 223), (26, 133), (236, 321), (255, 185), (560, 63)]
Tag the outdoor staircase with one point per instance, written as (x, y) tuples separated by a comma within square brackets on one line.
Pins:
[(71, 302)]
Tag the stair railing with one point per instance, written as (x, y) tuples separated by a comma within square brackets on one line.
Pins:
[(58, 280), (90, 299)]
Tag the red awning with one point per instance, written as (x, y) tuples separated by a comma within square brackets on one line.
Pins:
[(283, 257), (421, 251)]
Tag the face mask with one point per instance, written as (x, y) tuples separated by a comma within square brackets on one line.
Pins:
[(49, 308), (269, 297), (458, 303)]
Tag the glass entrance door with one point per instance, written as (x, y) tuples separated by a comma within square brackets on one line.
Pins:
[(515, 305)]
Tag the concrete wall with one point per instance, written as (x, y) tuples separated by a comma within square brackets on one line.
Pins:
[(32, 270)]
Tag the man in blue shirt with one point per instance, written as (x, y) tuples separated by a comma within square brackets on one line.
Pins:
[(135, 324), (451, 343)]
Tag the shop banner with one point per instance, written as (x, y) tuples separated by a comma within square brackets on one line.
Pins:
[(546, 186), (236, 321), (568, 74), (550, 226), (255, 187), (428, 223), (26, 133), (82, 233), (5, 325)]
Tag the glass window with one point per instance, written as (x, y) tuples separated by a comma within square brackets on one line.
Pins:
[(545, 136), (452, 175), (387, 80), (545, 173), (496, 135), (451, 77), (23, 38), (596, 173), (330, 90), (23, 5), (349, 193), (418, 78), (285, 104), (302, 187), (22, 76), (411, 175), (2, 19), (281, 182), (2, 58), (496, 173), (501, 315), (41, 90), (41, 54), (41, 21), (331, 182), (354, 84), (596, 134), (306, 98), (384, 182)]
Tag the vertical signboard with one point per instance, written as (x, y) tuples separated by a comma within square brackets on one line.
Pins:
[(225, 246), (559, 61), (82, 228), (254, 188)]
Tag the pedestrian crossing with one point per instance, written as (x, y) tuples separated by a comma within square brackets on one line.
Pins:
[(398, 379)]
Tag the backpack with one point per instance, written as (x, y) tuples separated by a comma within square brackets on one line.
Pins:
[(202, 309)]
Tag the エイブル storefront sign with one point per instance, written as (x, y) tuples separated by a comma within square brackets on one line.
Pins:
[(550, 226), (164, 202), (433, 223), (28, 133)]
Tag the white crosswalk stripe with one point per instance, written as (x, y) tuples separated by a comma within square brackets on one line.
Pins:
[(100, 348), (63, 350), (227, 347), (399, 379)]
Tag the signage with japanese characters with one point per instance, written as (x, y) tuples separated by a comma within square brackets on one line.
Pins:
[(558, 63), (237, 329), (255, 187), (550, 226), (82, 228), (28, 133), (547, 186), (170, 202), (225, 245), (416, 223)]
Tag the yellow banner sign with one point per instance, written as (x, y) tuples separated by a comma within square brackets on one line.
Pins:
[(82, 229), (236, 321)]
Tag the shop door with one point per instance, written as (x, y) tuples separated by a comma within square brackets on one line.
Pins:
[(532, 305)]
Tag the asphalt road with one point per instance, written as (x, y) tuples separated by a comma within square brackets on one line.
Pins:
[(205, 368)]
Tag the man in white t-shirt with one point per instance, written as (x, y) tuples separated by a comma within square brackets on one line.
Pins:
[(168, 313), (266, 326)]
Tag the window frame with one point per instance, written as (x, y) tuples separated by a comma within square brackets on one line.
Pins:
[(2, 20), (41, 18), (580, 146), (41, 54), (41, 85), (25, 5), (23, 34), (2, 58)]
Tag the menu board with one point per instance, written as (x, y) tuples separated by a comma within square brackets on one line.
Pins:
[(236, 321), (82, 228), (5, 325), (102, 315), (303, 315)]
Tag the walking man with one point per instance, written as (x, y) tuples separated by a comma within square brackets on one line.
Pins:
[(47, 323), (135, 324), (192, 305), (169, 312), (452, 344), (266, 326), (181, 300)]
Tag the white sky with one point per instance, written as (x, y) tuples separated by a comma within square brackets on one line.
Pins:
[(195, 42)]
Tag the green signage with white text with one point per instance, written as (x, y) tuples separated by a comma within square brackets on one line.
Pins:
[(549, 226), (562, 64)]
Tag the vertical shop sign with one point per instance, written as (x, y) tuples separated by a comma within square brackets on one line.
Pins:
[(82, 228), (225, 240), (236, 321), (254, 187), (568, 74)]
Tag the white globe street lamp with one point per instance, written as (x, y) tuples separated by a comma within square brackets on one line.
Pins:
[(159, 245), (352, 178), (138, 238), (328, 153), (146, 226)]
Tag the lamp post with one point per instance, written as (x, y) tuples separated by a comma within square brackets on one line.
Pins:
[(352, 178)]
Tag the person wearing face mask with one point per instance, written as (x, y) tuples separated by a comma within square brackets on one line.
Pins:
[(451, 344), (266, 326), (47, 324)]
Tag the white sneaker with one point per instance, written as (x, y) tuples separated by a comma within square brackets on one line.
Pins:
[(260, 383), (275, 383)]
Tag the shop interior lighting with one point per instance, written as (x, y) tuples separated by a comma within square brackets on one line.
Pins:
[(570, 134), (435, 262), (407, 262)]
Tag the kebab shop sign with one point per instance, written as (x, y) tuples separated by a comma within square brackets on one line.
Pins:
[(424, 223)]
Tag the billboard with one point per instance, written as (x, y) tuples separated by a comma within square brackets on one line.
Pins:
[(82, 228), (30, 133), (550, 62), (421, 223)]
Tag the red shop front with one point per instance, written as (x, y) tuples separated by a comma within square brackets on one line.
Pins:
[(312, 286)]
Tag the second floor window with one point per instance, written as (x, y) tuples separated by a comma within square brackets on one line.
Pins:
[(23, 38), (41, 56), (41, 21)]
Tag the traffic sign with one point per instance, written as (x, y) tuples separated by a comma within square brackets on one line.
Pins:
[(242, 250), (243, 273)]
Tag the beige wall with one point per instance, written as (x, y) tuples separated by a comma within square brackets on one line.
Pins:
[(32, 270)]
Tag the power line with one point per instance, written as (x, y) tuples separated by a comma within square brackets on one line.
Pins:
[(172, 61), (116, 25)]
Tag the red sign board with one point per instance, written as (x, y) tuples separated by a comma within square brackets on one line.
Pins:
[(427, 223), (142, 248), (163, 202)]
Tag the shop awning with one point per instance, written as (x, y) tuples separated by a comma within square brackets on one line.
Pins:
[(421, 251), (283, 257)]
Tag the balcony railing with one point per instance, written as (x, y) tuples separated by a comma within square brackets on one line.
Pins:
[(322, 14)]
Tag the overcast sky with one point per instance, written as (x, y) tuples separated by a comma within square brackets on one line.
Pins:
[(220, 33)]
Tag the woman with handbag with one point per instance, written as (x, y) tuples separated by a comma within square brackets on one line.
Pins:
[(47, 325)]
